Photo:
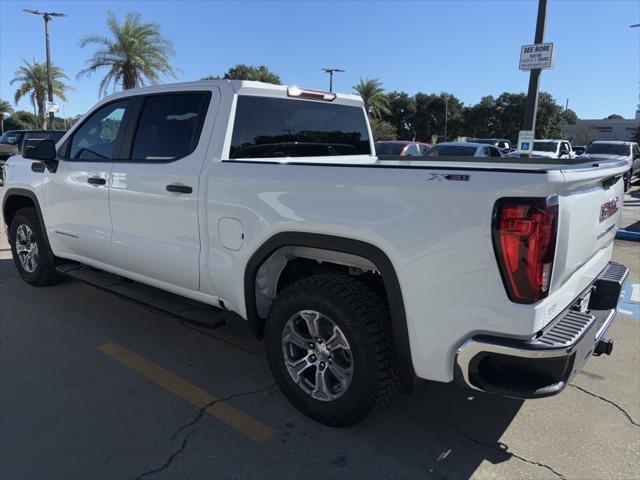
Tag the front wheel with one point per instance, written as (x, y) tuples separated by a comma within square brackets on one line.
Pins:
[(32, 256), (329, 347)]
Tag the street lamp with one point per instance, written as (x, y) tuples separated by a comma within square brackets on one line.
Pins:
[(47, 17), (331, 71)]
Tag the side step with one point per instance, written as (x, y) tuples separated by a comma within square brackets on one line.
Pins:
[(192, 311)]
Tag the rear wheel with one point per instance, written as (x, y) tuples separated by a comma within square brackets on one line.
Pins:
[(329, 347), (31, 253)]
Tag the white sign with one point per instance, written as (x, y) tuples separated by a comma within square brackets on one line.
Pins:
[(52, 107), (525, 141), (540, 55)]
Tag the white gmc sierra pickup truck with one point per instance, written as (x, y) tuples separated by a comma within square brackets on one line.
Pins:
[(361, 273)]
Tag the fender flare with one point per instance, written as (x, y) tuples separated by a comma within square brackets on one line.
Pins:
[(345, 245), (23, 192)]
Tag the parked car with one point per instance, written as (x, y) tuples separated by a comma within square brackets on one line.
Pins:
[(402, 148), (12, 141), (502, 143), (627, 151), (360, 273), (463, 149)]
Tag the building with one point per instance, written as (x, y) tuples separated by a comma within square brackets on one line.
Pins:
[(585, 131)]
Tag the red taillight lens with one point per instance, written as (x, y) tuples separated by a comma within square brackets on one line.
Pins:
[(524, 240)]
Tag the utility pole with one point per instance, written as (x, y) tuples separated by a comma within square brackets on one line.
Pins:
[(47, 18), (534, 76), (331, 71), (566, 105)]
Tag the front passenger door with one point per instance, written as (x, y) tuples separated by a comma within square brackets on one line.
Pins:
[(77, 207)]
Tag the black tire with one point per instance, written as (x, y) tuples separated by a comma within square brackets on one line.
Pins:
[(364, 320), (44, 273)]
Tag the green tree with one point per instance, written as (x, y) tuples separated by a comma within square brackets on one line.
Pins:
[(21, 120), (32, 79), (481, 119), (248, 72), (431, 111), (135, 53), (5, 107), (375, 101), (570, 117), (382, 130), (401, 114), (615, 116)]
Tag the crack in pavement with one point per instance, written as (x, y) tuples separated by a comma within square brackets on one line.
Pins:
[(624, 412), (167, 463), (486, 445), (169, 460), (202, 411), (186, 324)]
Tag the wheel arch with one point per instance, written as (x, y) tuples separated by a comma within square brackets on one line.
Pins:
[(17, 198), (341, 245)]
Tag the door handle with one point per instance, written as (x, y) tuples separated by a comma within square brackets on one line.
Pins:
[(97, 181), (179, 188)]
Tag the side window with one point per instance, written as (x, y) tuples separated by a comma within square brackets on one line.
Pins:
[(495, 152), (97, 137), (169, 126), (484, 152), (411, 151)]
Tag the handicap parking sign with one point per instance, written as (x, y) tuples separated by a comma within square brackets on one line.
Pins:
[(525, 141), (524, 146)]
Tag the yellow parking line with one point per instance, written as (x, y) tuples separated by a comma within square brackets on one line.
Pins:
[(224, 412)]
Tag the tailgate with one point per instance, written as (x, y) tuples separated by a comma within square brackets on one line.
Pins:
[(590, 215)]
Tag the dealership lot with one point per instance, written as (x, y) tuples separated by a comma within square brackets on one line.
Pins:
[(92, 386)]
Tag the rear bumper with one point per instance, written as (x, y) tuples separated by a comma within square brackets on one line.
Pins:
[(543, 365)]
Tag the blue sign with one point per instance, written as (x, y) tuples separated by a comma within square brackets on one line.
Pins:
[(524, 146)]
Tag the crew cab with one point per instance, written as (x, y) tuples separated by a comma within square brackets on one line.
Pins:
[(361, 273)]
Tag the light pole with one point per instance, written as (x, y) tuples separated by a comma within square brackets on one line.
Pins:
[(47, 17), (331, 71)]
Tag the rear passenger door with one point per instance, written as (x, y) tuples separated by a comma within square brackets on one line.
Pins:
[(153, 194)]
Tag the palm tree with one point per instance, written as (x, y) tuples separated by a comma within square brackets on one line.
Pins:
[(33, 82), (5, 107), (136, 53), (249, 72), (375, 100)]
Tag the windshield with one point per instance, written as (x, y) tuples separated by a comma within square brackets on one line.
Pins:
[(545, 146), (608, 149), (11, 138), (389, 148), (451, 151)]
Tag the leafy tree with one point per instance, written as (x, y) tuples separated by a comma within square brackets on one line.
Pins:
[(401, 114), (382, 130), (32, 78), (481, 120), (248, 72), (615, 116), (135, 53), (430, 115), (211, 77), (570, 117), (5, 107), (21, 120), (550, 120), (375, 101)]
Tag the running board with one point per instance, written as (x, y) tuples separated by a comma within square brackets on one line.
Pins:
[(186, 309)]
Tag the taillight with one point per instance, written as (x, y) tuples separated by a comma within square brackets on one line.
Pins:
[(310, 94), (524, 234)]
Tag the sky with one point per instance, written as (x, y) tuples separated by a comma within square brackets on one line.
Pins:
[(466, 48)]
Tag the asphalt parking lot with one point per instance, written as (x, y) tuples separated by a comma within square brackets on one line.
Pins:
[(92, 386)]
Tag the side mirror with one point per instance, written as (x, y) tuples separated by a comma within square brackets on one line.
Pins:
[(42, 150)]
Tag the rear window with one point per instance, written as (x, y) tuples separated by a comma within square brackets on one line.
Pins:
[(275, 127), (609, 149), (451, 151), (545, 146)]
